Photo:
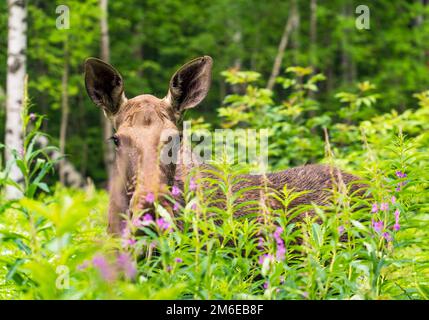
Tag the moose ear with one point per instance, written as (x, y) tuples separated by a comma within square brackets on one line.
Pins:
[(190, 84), (104, 85)]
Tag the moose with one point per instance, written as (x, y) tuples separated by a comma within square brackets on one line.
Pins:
[(139, 124)]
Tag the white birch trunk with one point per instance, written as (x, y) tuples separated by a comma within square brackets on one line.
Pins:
[(16, 70), (64, 110)]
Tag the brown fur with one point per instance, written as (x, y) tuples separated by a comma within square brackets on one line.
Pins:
[(313, 183)]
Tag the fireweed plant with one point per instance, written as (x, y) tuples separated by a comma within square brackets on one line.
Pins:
[(53, 242)]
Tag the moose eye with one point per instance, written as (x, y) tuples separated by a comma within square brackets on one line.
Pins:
[(115, 140)]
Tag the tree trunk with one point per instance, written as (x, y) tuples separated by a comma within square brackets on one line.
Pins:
[(236, 38), (330, 63), (108, 151), (313, 48), (348, 66), (290, 24), (419, 21), (138, 39), (83, 130), (313, 32), (16, 70), (237, 41), (420, 17), (64, 110), (295, 36), (72, 177)]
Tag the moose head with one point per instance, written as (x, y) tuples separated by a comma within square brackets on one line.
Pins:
[(143, 125)]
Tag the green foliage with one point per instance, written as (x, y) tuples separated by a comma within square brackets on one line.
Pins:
[(54, 246), (355, 106), (356, 102), (32, 160), (291, 131)]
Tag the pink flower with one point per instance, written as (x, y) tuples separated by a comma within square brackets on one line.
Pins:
[(176, 206), (136, 222), (397, 226), (106, 271), (143, 221), (178, 260), (126, 232), (400, 185), (281, 250), (175, 191), (401, 174), (384, 206), (127, 265), (341, 230), (280, 253), (162, 224), (387, 236), (278, 233), (374, 208), (397, 213), (150, 197), (260, 242), (147, 220), (377, 226), (127, 239), (192, 184), (393, 199), (266, 285), (131, 242)]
